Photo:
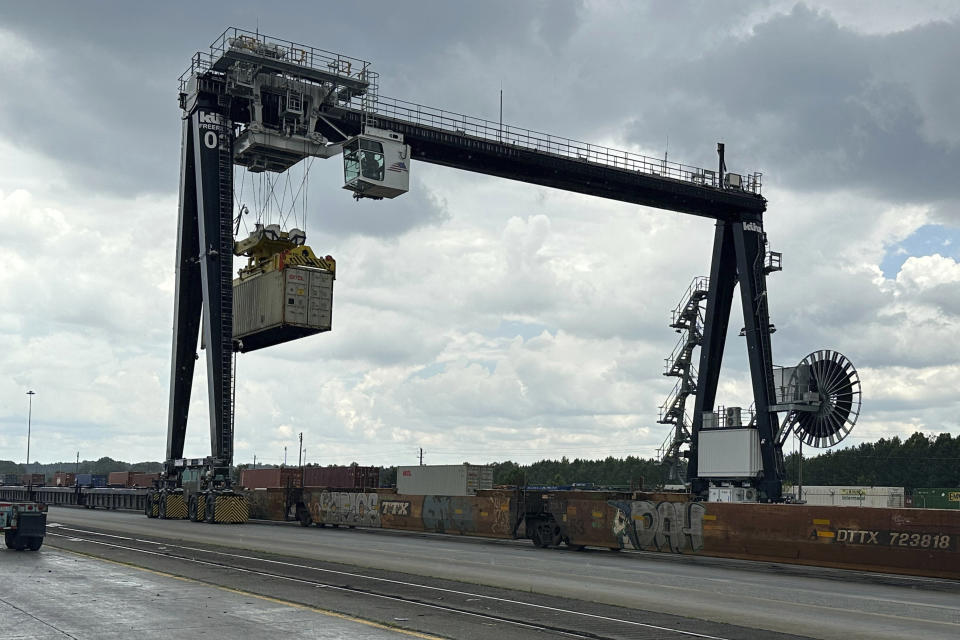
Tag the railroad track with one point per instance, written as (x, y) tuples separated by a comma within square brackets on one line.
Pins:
[(478, 608)]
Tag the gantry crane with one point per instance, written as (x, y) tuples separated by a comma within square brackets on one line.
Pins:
[(266, 104)]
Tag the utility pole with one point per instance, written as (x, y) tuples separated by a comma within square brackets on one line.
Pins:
[(254, 461), (300, 455), (77, 471), (30, 395), (284, 455), (800, 474), (421, 456)]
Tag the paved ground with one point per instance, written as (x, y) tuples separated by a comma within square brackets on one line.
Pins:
[(822, 603), (53, 594)]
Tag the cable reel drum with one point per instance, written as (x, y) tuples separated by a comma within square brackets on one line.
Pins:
[(821, 396)]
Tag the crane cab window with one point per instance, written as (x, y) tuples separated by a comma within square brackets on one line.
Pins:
[(363, 158)]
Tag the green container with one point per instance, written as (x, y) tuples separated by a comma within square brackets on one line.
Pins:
[(937, 498)]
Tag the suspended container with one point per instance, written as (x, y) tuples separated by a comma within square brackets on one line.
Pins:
[(282, 305), (376, 164)]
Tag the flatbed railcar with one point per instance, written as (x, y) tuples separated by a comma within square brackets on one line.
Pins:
[(924, 542)]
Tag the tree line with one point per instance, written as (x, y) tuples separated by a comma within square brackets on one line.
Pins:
[(919, 461), (103, 466)]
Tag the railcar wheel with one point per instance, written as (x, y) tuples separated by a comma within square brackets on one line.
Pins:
[(556, 538), (541, 536), (304, 517)]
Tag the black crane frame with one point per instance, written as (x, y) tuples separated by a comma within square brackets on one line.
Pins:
[(205, 250)]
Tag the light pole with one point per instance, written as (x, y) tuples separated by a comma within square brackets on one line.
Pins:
[(30, 395)]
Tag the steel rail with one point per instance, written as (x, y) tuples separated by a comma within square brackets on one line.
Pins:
[(377, 580)]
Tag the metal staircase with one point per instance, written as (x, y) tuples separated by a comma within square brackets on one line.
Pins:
[(687, 320)]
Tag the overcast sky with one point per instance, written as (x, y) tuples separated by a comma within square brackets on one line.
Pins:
[(476, 317)]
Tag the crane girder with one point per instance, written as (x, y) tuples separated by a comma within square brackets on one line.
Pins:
[(505, 160)]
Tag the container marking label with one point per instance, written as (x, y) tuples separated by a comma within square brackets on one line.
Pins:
[(395, 508), (709, 517), (820, 521), (936, 541)]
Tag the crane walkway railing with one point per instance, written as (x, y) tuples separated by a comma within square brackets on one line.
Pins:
[(500, 133), (276, 49), (283, 57)]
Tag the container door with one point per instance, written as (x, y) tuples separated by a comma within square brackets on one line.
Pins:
[(295, 305), (320, 300)]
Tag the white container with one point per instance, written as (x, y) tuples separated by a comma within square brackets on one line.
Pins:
[(851, 496), (728, 453), (279, 306), (444, 480)]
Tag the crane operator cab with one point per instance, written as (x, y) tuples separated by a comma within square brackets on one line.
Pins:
[(376, 164)]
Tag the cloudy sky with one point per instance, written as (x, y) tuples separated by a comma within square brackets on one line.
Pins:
[(479, 318)]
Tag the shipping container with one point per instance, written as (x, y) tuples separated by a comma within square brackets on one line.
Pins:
[(33, 478), (91, 480), (278, 306), (145, 479), (444, 480), (273, 478), (11, 479), (64, 479), (120, 479), (844, 496), (937, 498), (341, 477)]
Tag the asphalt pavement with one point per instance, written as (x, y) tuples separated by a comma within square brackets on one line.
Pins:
[(764, 597)]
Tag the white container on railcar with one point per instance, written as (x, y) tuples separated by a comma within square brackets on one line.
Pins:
[(851, 496), (444, 480)]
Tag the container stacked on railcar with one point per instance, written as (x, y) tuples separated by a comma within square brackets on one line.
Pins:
[(271, 478), (342, 477)]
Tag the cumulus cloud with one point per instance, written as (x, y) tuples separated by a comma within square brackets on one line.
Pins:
[(475, 317)]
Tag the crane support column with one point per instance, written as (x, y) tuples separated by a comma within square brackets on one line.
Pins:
[(738, 257), (748, 238), (204, 274), (723, 280)]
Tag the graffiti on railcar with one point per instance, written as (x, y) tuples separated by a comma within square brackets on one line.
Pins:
[(448, 513), (666, 526), (500, 507), (349, 508)]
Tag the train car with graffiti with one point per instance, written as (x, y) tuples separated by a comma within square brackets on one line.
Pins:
[(911, 541), (908, 541)]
